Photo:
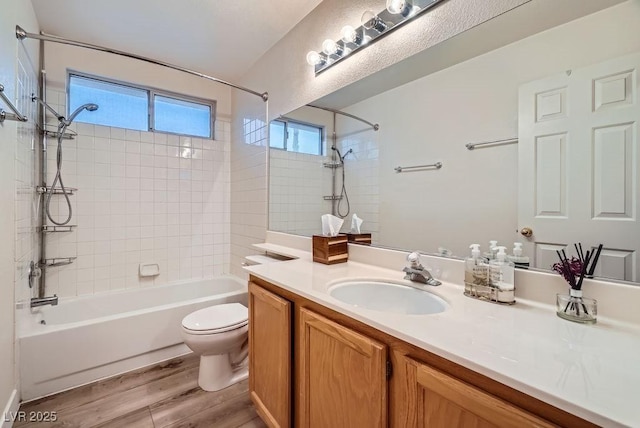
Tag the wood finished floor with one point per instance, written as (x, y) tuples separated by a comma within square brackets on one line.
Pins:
[(164, 395)]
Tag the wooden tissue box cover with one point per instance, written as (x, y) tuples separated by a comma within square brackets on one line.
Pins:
[(330, 249), (359, 238)]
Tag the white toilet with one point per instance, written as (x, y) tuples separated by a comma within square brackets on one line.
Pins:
[(219, 335)]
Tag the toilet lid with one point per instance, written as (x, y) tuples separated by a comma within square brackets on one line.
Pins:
[(216, 317)]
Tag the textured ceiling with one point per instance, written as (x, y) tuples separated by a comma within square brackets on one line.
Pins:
[(222, 38)]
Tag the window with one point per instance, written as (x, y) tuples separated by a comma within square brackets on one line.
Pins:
[(295, 136), (139, 108)]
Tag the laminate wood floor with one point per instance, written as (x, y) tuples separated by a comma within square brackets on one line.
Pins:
[(164, 395)]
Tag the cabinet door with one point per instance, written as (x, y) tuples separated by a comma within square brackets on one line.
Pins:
[(341, 375), (270, 356), (443, 401)]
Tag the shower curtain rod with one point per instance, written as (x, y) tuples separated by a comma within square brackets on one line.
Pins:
[(375, 126), (22, 34)]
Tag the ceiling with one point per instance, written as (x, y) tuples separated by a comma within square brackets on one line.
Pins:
[(221, 38)]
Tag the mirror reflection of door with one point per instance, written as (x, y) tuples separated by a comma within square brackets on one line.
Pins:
[(579, 165)]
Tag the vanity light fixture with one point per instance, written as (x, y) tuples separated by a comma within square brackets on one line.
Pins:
[(371, 21), (374, 26)]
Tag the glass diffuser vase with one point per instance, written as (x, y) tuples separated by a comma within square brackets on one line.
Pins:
[(574, 307)]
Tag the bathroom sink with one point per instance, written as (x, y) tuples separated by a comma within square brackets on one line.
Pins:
[(386, 296)]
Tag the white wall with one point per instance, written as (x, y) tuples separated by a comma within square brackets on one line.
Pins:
[(474, 196), (291, 83), (143, 197), (17, 160)]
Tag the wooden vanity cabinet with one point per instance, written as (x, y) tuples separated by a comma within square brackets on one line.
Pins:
[(311, 366), (341, 375), (270, 356), (440, 400)]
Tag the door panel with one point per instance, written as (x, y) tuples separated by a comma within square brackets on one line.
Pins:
[(578, 164), (342, 375), (443, 401), (270, 356)]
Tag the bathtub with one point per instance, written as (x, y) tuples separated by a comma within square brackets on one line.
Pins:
[(84, 339)]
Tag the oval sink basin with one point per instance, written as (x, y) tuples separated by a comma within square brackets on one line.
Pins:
[(388, 297)]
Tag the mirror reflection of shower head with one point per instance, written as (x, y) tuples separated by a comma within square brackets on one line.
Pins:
[(88, 107), (340, 155)]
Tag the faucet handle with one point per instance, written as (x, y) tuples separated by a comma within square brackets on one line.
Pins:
[(414, 259)]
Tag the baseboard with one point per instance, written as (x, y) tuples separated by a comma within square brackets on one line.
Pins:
[(9, 414)]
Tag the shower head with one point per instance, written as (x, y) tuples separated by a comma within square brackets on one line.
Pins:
[(340, 155), (88, 107)]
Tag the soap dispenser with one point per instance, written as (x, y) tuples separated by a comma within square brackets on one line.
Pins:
[(517, 258), (501, 277), (491, 254), (476, 273)]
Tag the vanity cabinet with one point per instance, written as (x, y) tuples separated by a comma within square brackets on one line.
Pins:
[(440, 400), (311, 366), (270, 356), (341, 375)]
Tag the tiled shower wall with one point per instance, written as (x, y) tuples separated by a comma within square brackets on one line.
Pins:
[(361, 173), (142, 197), (27, 163), (249, 179), (297, 184)]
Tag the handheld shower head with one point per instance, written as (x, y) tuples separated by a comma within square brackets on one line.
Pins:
[(88, 107), (340, 155)]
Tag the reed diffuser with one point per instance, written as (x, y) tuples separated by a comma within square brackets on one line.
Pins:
[(574, 307)]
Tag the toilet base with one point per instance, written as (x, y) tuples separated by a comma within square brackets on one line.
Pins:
[(216, 372)]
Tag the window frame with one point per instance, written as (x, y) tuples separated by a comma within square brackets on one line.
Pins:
[(286, 122), (151, 93)]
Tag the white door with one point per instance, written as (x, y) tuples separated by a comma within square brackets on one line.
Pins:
[(578, 165)]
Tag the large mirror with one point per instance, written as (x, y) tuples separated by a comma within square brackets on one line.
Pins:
[(561, 104)]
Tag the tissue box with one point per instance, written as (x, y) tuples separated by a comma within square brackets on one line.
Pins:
[(330, 249), (359, 238)]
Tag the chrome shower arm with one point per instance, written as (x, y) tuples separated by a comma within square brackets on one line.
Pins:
[(48, 107)]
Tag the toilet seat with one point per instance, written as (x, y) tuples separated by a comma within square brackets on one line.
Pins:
[(216, 319)]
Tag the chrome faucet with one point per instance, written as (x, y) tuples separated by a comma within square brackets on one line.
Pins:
[(417, 273), (42, 301)]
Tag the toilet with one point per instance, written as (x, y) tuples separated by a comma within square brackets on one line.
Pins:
[(219, 334)]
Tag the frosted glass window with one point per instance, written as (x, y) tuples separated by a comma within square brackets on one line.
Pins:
[(181, 117), (295, 136), (118, 105)]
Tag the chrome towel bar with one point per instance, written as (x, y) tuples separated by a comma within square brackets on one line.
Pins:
[(399, 169), (16, 115), (471, 146)]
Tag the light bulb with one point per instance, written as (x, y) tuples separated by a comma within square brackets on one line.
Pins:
[(368, 19), (372, 21), (329, 47), (314, 58), (349, 35), (396, 6)]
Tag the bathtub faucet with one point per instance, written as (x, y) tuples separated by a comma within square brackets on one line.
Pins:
[(42, 301)]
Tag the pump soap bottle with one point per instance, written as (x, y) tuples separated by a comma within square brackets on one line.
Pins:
[(501, 277), (517, 258), (476, 273), (493, 249)]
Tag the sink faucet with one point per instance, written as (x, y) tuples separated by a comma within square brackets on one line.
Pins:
[(417, 273)]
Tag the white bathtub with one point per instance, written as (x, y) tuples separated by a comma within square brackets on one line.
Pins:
[(83, 339)]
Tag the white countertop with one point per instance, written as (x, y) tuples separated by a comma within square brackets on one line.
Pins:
[(592, 371)]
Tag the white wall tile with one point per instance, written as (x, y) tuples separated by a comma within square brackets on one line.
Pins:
[(139, 200)]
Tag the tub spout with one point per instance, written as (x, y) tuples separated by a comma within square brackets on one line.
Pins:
[(42, 301)]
